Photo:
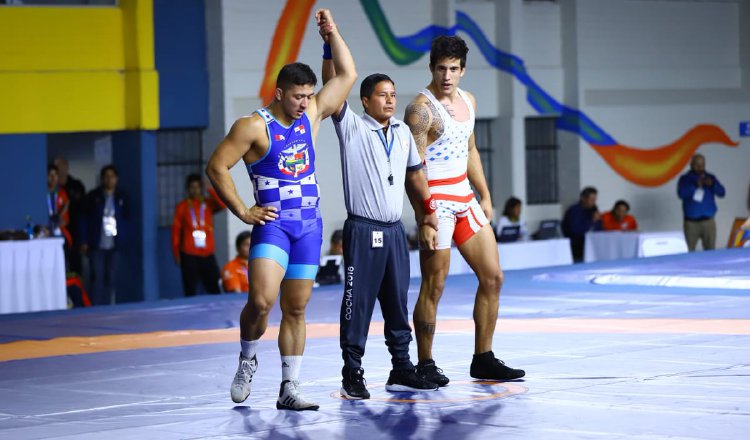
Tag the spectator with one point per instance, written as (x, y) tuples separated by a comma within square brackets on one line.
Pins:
[(698, 189), (580, 219), (512, 217), (193, 237), (101, 231), (235, 272), (337, 243), (57, 206), (618, 219), (76, 193)]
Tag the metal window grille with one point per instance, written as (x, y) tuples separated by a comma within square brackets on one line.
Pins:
[(178, 153), (542, 169), (483, 140)]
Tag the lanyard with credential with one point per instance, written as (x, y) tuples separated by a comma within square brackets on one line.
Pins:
[(198, 225), (387, 147), (52, 203)]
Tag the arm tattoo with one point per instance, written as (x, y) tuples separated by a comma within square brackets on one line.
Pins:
[(418, 119), (437, 121), (427, 328)]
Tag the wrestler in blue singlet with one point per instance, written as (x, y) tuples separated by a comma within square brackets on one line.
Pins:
[(285, 178)]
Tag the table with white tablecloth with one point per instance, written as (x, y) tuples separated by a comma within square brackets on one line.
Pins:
[(32, 276), (516, 255), (615, 245)]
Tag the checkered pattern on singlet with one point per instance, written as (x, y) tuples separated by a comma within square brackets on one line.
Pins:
[(285, 177)]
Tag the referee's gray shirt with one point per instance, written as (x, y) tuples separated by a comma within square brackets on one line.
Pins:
[(364, 164)]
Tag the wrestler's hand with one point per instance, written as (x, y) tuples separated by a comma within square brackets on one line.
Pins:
[(326, 26), (430, 220), (746, 225), (486, 205), (428, 237), (259, 215)]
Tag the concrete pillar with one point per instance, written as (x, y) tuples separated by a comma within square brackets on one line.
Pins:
[(134, 155)]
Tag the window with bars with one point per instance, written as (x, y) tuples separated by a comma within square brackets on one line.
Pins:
[(541, 160), (178, 153), (483, 139)]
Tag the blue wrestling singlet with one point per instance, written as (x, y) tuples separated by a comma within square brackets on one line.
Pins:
[(285, 178)]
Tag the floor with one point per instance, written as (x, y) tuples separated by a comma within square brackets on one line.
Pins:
[(638, 349)]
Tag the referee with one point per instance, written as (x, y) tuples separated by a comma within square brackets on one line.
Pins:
[(378, 158)]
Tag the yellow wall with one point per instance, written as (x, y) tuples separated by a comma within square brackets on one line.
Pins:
[(78, 68)]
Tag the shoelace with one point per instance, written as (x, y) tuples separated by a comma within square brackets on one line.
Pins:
[(434, 368), (294, 393), (245, 370), (359, 378)]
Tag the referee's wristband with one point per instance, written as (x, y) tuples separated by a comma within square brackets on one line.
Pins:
[(429, 205), (327, 55)]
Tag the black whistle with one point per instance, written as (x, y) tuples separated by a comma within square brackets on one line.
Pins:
[(390, 179)]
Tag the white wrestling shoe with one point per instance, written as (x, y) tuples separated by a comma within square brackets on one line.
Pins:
[(243, 378), (291, 398)]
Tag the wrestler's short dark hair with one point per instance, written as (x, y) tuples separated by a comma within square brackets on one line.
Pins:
[(296, 74), (368, 84), (446, 46)]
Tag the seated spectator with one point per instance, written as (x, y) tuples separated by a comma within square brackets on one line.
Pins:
[(618, 219), (580, 219), (337, 243), (512, 217), (235, 277)]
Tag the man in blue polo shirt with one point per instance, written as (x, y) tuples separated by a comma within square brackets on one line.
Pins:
[(698, 189), (378, 158)]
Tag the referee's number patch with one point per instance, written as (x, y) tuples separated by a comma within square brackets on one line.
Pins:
[(377, 239)]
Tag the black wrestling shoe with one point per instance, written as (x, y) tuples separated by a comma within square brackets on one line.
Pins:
[(486, 366), (354, 385), (408, 380), (431, 373)]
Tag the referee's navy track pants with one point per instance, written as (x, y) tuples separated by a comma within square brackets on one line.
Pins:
[(371, 273)]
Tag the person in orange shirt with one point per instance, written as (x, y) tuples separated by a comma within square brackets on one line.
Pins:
[(193, 237), (618, 219), (234, 277), (57, 206)]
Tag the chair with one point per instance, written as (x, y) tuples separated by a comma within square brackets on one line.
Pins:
[(509, 234), (548, 229)]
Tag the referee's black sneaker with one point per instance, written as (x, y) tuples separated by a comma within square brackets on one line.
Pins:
[(486, 366), (408, 380), (353, 385), (431, 373)]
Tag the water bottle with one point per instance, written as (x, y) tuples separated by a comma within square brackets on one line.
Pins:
[(29, 227)]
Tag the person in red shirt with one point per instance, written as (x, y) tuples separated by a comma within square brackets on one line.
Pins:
[(618, 219), (193, 237), (57, 206), (234, 278)]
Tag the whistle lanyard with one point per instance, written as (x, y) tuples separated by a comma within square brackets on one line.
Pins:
[(196, 224), (388, 147)]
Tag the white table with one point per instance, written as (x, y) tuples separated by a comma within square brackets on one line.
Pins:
[(517, 255), (615, 245), (32, 276)]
